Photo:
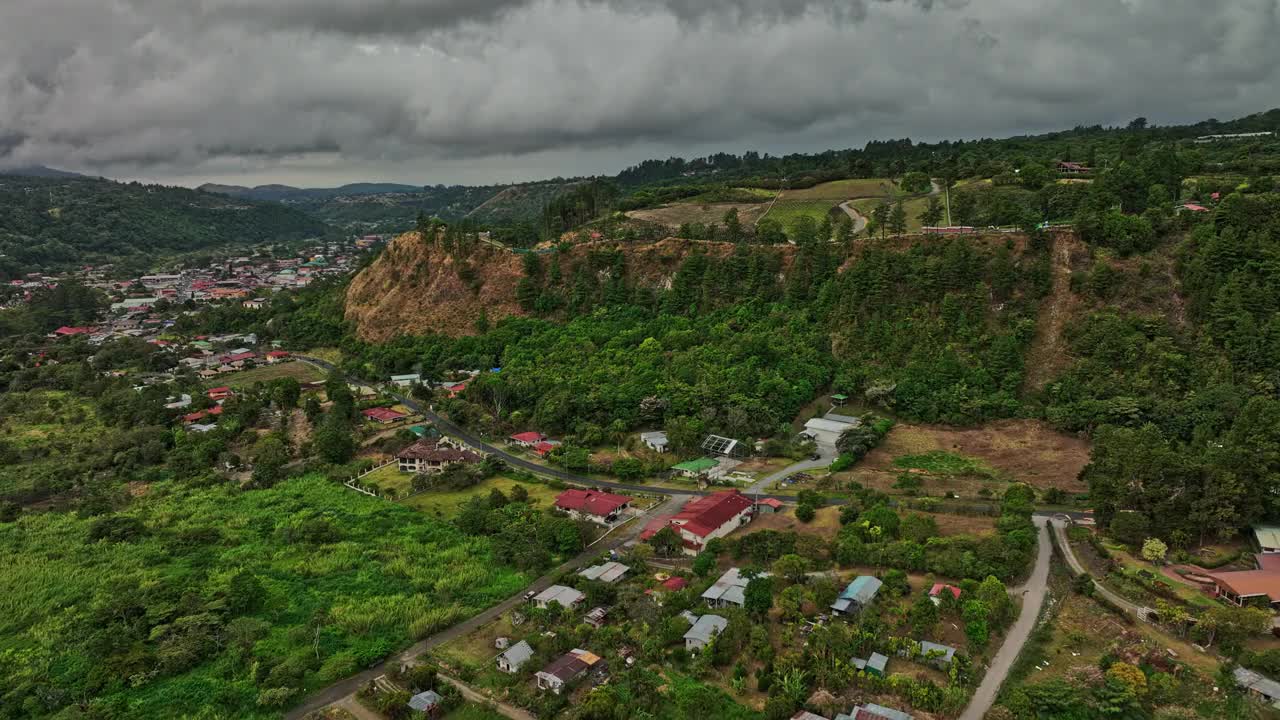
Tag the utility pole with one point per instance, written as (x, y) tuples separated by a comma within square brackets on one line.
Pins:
[(947, 192)]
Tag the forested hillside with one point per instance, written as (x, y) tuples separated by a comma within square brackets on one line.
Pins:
[(51, 224)]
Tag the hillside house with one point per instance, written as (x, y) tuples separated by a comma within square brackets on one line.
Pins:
[(276, 356), (431, 455), (609, 572), (255, 303), (768, 506), (935, 592), (1072, 168), (598, 507), (728, 590), (219, 393), (655, 441), (932, 653), (383, 416), (565, 597), (526, 439), (695, 468), (544, 448), (857, 595), (510, 660), (568, 667), (705, 519), (827, 430), (703, 631), (405, 381)]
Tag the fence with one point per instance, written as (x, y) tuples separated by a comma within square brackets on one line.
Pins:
[(351, 482)]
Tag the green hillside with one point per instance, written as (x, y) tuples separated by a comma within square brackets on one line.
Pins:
[(50, 224)]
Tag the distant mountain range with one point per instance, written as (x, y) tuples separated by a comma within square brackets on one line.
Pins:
[(40, 171), (288, 193)]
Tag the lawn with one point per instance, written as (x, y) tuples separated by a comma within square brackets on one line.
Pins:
[(389, 476), (300, 371), (941, 462), (235, 602), (445, 504), (837, 191), (913, 207)]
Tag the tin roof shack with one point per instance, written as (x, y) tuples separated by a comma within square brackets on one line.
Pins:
[(703, 631), (510, 660), (857, 595), (568, 668)]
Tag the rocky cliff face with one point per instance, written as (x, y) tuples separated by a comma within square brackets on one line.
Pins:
[(419, 287)]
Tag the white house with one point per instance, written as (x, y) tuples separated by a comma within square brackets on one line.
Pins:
[(656, 440), (515, 656), (566, 597), (703, 631)]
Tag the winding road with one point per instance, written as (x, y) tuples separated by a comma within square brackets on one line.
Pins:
[(1078, 568), (1033, 593)]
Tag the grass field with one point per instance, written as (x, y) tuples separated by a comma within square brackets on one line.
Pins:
[(299, 371), (913, 207), (837, 191), (446, 503), (332, 581)]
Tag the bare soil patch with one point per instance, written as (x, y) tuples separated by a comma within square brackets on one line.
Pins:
[(1023, 450)]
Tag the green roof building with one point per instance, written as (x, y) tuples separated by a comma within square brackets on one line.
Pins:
[(693, 468)]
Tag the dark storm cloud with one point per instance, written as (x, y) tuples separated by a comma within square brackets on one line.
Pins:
[(447, 87)]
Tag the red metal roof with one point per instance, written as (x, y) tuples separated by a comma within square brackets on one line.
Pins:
[(774, 503), (675, 582), (590, 501), (707, 514), (65, 330), (382, 414), (224, 390), (939, 587), (544, 447), (277, 354), (527, 437)]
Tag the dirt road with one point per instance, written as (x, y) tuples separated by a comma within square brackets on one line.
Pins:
[(1033, 593), (472, 695), (859, 220), (1078, 568)]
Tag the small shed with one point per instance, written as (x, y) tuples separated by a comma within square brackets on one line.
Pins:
[(426, 703), (768, 506), (874, 665), (857, 595)]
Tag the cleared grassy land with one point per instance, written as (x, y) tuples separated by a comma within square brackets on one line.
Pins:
[(316, 581), (913, 207), (42, 429), (299, 371), (837, 191), (446, 503)]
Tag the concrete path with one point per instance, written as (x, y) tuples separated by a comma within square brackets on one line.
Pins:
[(1033, 593), (1078, 568), (859, 220), (826, 454)]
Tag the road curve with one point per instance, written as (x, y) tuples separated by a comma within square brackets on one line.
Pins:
[(1078, 568), (1033, 594)]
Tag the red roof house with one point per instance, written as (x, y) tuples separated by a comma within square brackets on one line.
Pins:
[(383, 415), (674, 583), (430, 455), (219, 393), (939, 588), (706, 518), (600, 507), (544, 448), (1194, 208), (277, 355), (66, 331), (526, 439)]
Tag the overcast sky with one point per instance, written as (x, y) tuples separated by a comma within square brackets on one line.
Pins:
[(318, 92)]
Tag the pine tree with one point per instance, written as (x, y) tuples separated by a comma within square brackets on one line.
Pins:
[(898, 219)]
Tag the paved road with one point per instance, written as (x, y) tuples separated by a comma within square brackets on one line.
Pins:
[(1033, 593), (859, 220), (826, 453), (1077, 567), (341, 689)]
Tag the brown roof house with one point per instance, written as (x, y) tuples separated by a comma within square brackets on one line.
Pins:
[(432, 455), (568, 668)]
